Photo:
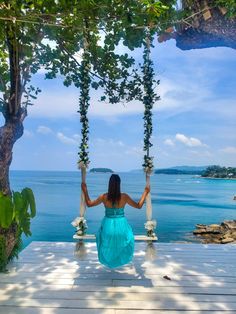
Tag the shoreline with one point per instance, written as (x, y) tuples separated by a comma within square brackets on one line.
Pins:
[(217, 178)]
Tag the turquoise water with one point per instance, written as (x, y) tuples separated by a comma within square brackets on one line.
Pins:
[(179, 202)]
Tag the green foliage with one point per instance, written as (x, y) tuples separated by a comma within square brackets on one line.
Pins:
[(4, 260), (3, 257), (83, 107), (105, 170), (219, 172), (18, 208), (16, 212), (17, 248), (142, 88), (230, 6), (149, 98), (50, 34), (6, 211)]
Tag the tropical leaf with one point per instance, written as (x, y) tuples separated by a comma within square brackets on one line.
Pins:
[(18, 204), (6, 211), (25, 224), (31, 201)]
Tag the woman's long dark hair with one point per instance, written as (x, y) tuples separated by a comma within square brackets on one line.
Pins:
[(114, 189)]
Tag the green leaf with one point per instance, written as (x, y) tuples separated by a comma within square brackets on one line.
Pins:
[(6, 211), (25, 224), (18, 204), (29, 195)]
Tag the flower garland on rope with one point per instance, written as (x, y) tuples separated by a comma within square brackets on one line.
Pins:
[(83, 109), (80, 222), (148, 99)]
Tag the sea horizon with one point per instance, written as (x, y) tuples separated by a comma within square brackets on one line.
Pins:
[(179, 202)]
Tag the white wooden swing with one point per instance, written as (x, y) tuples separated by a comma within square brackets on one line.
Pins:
[(80, 222), (152, 237)]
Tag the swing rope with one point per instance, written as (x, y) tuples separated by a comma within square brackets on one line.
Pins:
[(148, 133), (79, 222), (148, 99), (82, 198)]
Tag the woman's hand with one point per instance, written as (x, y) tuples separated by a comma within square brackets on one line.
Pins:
[(83, 187), (147, 189)]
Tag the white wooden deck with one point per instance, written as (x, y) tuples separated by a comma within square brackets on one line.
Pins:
[(49, 278)]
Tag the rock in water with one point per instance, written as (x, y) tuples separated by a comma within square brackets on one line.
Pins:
[(223, 233)]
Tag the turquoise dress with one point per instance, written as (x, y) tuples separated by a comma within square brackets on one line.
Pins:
[(115, 239)]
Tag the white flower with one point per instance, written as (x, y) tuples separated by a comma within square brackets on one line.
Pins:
[(77, 221), (150, 225)]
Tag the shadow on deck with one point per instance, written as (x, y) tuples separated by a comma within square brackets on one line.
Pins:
[(66, 278)]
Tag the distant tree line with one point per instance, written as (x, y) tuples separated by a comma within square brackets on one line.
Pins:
[(178, 171), (101, 170), (219, 172)]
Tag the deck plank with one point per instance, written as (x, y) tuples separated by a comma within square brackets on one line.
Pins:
[(49, 278), (162, 304)]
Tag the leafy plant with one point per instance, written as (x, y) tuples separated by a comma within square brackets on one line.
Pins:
[(3, 257), (229, 5), (16, 212), (6, 211), (19, 208), (17, 249)]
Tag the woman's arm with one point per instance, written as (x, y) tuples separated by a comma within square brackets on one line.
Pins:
[(140, 203), (88, 202)]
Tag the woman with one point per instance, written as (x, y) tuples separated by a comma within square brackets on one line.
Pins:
[(115, 239)]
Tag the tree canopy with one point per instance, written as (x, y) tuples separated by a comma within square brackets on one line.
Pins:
[(50, 34)]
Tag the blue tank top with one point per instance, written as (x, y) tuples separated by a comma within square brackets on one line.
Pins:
[(114, 212)]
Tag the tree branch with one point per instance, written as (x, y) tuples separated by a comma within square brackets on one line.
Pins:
[(4, 87), (74, 59)]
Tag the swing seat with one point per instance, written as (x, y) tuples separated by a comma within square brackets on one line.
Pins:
[(93, 237)]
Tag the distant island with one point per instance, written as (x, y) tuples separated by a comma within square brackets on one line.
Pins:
[(103, 170), (194, 170), (203, 171), (219, 172)]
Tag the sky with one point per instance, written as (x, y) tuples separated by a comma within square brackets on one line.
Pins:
[(194, 123)]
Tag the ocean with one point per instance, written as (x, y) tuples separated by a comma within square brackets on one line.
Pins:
[(179, 203)]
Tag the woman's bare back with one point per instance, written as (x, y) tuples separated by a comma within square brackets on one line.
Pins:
[(124, 199), (122, 202)]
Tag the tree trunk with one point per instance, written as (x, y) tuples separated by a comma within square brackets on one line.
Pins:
[(208, 27), (13, 129), (14, 114), (9, 133)]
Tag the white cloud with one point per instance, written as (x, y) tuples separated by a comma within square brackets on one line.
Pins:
[(110, 141), (77, 137), (116, 146), (188, 141), (201, 153), (229, 150), (28, 133), (63, 101), (134, 150), (66, 140), (73, 140), (44, 130), (175, 98), (169, 142)]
